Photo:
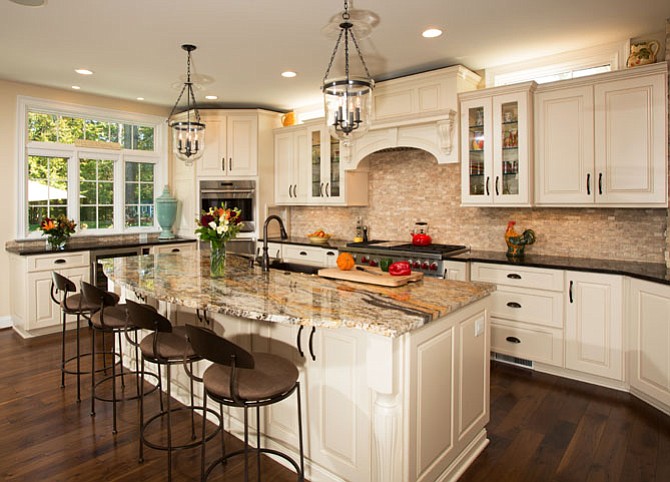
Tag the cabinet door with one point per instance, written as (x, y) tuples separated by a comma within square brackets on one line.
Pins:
[(285, 167), (213, 160), (242, 145), (42, 311), (594, 325), (650, 340), (187, 210), (564, 146), (511, 149), (316, 169), (476, 152), (631, 137)]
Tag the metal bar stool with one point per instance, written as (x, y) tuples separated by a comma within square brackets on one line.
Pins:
[(238, 378), (63, 292), (111, 317), (167, 346)]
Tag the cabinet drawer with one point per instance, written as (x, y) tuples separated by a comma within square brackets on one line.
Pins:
[(58, 261), (173, 248), (520, 276), (294, 253), (531, 306), (544, 346)]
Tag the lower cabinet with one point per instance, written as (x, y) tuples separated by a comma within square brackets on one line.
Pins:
[(649, 352), (594, 324), (335, 398), (33, 311), (309, 255), (173, 248)]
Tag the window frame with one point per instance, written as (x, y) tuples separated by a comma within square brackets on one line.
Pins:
[(74, 153)]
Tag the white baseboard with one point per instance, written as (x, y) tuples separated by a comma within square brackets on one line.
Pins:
[(5, 322)]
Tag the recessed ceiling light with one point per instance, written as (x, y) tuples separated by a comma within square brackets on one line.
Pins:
[(140, 98), (84, 71), (211, 97), (288, 74), (431, 33), (76, 87), (30, 3)]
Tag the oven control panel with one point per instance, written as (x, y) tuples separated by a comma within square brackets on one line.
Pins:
[(429, 267)]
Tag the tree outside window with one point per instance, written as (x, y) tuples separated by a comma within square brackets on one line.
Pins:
[(139, 210), (47, 189), (96, 193)]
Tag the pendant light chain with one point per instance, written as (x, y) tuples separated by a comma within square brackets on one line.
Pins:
[(190, 96)]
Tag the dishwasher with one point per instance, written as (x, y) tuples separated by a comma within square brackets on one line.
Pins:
[(98, 277)]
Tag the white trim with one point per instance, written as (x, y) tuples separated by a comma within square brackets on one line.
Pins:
[(158, 157), (613, 54)]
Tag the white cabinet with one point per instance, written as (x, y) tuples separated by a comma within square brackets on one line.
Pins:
[(601, 140), (456, 270), (308, 169), (594, 324), (496, 146), (33, 311), (335, 398), (649, 347), (231, 144), (173, 248), (291, 151), (526, 311)]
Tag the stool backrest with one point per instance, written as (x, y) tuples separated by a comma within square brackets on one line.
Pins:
[(96, 296), (214, 348), (145, 318), (60, 287)]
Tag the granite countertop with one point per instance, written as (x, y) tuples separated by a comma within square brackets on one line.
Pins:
[(656, 272), (90, 243), (292, 298)]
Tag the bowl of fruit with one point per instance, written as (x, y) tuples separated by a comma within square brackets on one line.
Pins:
[(318, 237)]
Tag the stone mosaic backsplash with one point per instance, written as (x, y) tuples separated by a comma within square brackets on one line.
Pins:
[(409, 185)]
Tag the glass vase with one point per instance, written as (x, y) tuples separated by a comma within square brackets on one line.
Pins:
[(217, 260), (56, 243)]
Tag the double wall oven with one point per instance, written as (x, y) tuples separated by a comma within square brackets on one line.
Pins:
[(239, 194)]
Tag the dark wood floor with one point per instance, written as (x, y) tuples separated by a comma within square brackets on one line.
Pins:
[(542, 428)]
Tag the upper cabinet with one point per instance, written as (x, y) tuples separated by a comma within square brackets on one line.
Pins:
[(496, 146), (232, 145), (308, 169), (602, 140)]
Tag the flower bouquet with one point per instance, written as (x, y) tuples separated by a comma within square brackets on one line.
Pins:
[(217, 226), (57, 230)]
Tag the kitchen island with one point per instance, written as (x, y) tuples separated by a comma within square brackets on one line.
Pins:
[(395, 381)]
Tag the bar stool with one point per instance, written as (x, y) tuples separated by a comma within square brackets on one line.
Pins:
[(70, 304), (167, 345), (111, 317), (238, 378)]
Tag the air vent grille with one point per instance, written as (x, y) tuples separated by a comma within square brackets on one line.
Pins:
[(511, 360)]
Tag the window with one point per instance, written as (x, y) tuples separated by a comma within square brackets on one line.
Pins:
[(96, 193), (97, 166), (47, 188), (139, 194)]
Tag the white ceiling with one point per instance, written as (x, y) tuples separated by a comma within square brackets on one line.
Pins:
[(133, 46)]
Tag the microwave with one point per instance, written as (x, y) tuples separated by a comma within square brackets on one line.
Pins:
[(234, 194)]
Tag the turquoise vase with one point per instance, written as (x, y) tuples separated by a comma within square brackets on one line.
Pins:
[(166, 212)]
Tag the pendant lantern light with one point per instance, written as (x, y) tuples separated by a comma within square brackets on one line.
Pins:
[(188, 137), (348, 99)]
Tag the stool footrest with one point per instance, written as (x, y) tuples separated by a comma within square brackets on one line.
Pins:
[(196, 443), (136, 396)]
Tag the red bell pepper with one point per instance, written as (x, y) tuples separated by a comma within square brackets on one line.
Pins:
[(400, 268)]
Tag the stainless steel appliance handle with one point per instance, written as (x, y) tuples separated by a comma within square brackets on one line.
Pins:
[(227, 191)]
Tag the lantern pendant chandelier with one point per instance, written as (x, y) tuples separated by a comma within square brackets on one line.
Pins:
[(348, 100), (188, 137)]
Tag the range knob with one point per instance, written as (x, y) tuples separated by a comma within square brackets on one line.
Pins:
[(424, 265), (364, 259), (433, 266), (373, 262), (416, 264)]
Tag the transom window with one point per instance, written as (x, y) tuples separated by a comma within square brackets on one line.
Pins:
[(99, 167)]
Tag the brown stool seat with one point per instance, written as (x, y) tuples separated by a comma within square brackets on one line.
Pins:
[(271, 376), (114, 318), (76, 304), (169, 345)]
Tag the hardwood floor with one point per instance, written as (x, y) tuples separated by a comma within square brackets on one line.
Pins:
[(542, 428)]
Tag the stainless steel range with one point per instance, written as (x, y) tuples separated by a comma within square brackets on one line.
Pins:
[(427, 259)]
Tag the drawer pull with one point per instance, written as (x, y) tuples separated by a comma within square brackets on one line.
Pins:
[(302, 354), (514, 276), (513, 339), (513, 304), (303, 253), (570, 292), (60, 261), (330, 253), (176, 250)]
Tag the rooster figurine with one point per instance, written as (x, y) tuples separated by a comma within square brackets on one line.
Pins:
[(517, 242)]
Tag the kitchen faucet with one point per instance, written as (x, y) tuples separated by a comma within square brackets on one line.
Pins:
[(265, 260)]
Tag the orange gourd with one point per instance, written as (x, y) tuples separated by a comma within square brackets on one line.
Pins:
[(345, 261)]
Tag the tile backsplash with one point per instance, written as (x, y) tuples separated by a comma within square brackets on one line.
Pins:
[(408, 186)]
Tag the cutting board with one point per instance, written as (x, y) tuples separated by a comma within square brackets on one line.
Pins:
[(373, 276)]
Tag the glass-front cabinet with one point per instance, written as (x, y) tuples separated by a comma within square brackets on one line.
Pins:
[(325, 167), (496, 146)]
